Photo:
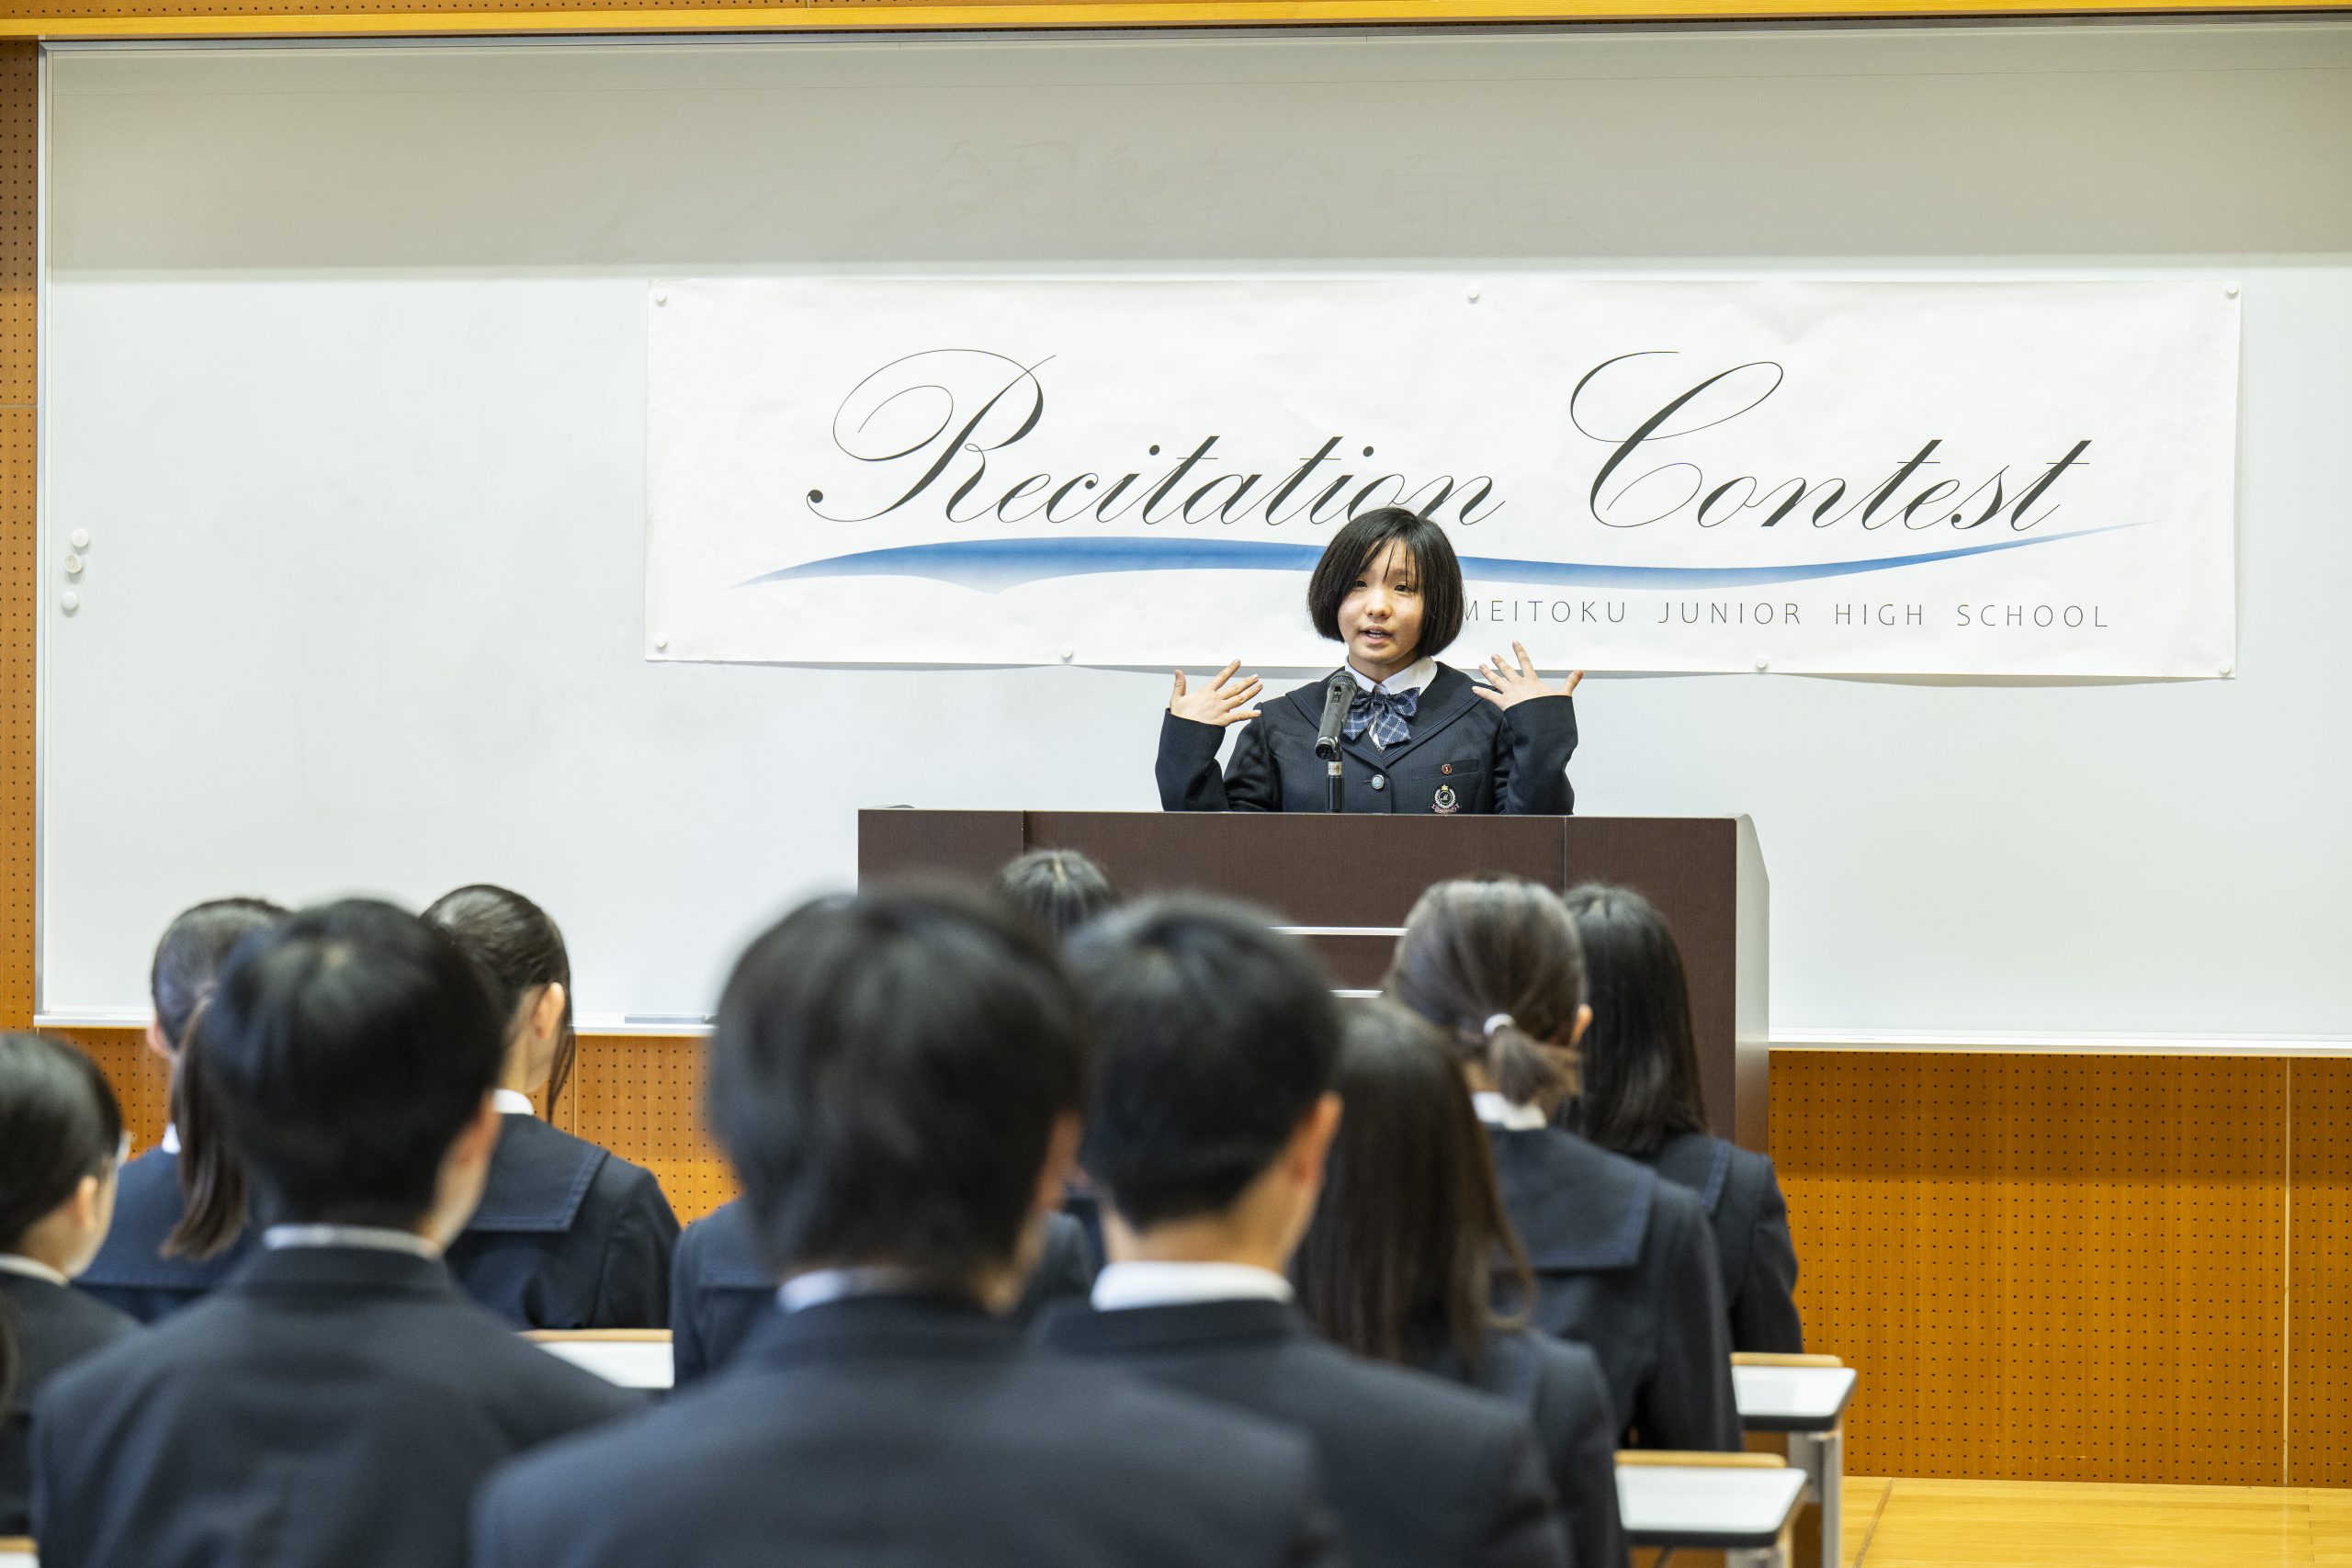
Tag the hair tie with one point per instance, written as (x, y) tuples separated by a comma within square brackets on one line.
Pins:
[(1499, 1021)]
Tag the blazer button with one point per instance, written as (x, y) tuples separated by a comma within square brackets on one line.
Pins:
[(1380, 781)]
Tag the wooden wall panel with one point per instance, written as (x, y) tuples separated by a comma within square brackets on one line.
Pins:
[(641, 1097), (2319, 1276), (19, 213), (2047, 1266)]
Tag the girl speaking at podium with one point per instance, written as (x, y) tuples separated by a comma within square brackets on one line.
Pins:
[(1392, 730)]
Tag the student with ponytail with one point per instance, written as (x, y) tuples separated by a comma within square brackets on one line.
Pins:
[(1624, 1261), (179, 1218), (1639, 1096), (336, 1401), (61, 1135), (567, 1235), (1409, 1242)]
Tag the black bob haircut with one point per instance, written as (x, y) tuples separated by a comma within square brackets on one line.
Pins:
[(341, 1053), (885, 1072), (1061, 890), (1216, 1035), (1356, 546)]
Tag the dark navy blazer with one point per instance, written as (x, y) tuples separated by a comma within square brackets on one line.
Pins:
[(913, 1432), (54, 1327), (325, 1407), (1560, 1388), (131, 1272), (1463, 755), (1420, 1472), (1625, 1263), (719, 1290), (567, 1235), (1742, 1195)]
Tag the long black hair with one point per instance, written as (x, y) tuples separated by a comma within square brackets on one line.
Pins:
[(1409, 1231), (1359, 544), (58, 1123), (1641, 1065), (518, 948), (186, 968)]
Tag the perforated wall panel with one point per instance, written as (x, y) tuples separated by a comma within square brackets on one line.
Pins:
[(2319, 1274), (2047, 1266)]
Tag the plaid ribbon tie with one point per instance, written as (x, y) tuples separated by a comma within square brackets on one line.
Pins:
[(1386, 714)]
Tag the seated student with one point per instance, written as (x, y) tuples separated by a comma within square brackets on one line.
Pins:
[(151, 1264), (1064, 890), (61, 1134), (1061, 888), (1212, 1112), (567, 1235), (720, 1290), (896, 1076), (1401, 1259), (1638, 1094), (1624, 1261), (336, 1403)]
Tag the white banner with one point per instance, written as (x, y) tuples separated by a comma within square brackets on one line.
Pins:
[(1968, 479)]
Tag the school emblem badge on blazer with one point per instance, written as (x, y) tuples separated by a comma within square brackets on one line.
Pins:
[(1447, 802)]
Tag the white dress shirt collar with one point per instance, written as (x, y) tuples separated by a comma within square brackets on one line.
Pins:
[(511, 1104), (1497, 1112), (1124, 1285), (171, 1143), (30, 1267), (1414, 677), (822, 1285), (371, 1238)]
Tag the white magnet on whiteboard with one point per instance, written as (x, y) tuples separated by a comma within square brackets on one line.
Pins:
[(2227, 667), (2231, 289), (661, 299), (69, 601), (1474, 294), (661, 644), (1761, 661), (81, 540), (1068, 654), (73, 564)]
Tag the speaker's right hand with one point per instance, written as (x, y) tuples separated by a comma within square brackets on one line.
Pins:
[(1222, 701)]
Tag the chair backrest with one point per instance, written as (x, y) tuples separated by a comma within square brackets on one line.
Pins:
[(632, 1358)]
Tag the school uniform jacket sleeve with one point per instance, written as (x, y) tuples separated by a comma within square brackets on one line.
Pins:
[(1528, 1531), (1188, 775), (1689, 1403), (633, 1289), (1763, 1301), (1531, 760), (688, 1360)]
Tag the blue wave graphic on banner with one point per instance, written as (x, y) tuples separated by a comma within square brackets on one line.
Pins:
[(996, 564)]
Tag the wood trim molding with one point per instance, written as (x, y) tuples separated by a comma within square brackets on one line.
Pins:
[(103, 21)]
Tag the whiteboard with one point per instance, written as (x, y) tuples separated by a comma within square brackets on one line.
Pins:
[(344, 365)]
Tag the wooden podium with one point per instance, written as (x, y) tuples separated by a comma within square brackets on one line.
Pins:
[(1346, 882)]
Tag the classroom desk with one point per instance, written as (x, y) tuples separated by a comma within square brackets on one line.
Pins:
[(1808, 1403), (15, 1551), (1744, 1505), (632, 1358)]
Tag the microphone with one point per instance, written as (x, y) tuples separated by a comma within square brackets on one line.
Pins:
[(1339, 691)]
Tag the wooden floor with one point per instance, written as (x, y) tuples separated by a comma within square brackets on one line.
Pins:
[(2049, 1524)]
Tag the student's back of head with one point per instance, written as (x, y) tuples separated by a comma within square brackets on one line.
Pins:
[(1061, 890), (186, 965), (61, 1132), (520, 951), (897, 1077), (341, 1055), (1640, 1063), (1216, 1037), (1409, 1232), (1494, 964)]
